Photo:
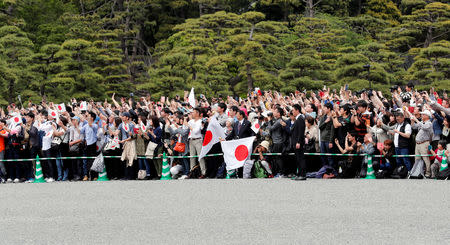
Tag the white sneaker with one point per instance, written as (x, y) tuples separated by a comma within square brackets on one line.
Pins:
[(16, 180), (50, 180), (183, 177), (2, 181), (9, 180)]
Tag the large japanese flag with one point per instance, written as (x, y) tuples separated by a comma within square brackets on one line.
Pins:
[(61, 107), (191, 98), (212, 135), (236, 152), (256, 126)]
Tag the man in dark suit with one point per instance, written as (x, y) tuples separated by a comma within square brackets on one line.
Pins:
[(242, 128), (298, 142)]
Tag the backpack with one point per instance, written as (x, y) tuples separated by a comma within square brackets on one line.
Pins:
[(195, 172), (444, 174), (400, 172), (417, 170), (258, 170)]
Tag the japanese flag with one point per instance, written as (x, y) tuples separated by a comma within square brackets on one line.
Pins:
[(258, 91), (236, 152), (112, 144), (191, 98), (256, 126), (125, 126), (83, 106), (53, 113), (16, 119), (143, 127), (61, 107), (212, 135)]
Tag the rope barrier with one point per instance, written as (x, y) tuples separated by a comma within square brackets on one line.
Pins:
[(209, 155)]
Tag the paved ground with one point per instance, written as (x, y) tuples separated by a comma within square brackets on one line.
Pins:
[(227, 212)]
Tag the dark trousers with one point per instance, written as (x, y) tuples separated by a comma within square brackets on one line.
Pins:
[(47, 165), (301, 164), (115, 167), (34, 151), (325, 148), (76, 165), (14, 169), (212, 163), (278, 163), (91, 151)]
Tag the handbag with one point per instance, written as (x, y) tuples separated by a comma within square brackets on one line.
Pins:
[(99, 163), (142, 174), (179, 147), (150, 149)]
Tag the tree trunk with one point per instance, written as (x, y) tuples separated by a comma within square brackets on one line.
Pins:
[(82, 8), (310, 8), (249, 77), (200, 9), (359, 7), (194, 72), (429, 37)]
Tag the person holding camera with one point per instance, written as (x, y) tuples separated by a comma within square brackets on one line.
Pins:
[(326, 128)]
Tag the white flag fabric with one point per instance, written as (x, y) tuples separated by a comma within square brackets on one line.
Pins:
[(192, 98), (212, 135), (83, 106), (236, 152), (61, 107), (256, 126), (112, 144)]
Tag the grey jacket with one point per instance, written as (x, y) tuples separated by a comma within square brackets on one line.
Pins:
[(184, 132), (326, 130), (277, 132)]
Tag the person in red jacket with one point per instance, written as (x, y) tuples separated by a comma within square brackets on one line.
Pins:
[(3, 134)]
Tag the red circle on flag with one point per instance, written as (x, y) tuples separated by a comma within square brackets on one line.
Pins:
[(257, 125), (16, 119), (53, 114), (59, 107), (241, 153), (208, 137)]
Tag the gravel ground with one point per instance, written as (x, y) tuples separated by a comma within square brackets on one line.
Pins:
[(257, 211)]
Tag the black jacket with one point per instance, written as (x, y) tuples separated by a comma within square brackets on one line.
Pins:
[(244, 132), (298, 133)]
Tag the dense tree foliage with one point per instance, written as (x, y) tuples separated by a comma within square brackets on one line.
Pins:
[(90, 48)]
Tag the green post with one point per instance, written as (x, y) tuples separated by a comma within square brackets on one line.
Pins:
[(370, 172), (38, 176), (165, 175)]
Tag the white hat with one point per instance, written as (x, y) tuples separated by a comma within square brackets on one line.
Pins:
[(426, 112), (265, 144)]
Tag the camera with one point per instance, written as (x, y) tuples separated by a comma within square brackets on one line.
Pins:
[(393, 88)]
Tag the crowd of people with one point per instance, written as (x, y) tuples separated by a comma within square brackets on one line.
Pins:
[(366, 122)]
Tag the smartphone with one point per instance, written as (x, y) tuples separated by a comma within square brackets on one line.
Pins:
[(346, 87)]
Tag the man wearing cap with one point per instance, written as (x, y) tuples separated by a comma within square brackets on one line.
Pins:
[(402, 134), (423, 138)]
